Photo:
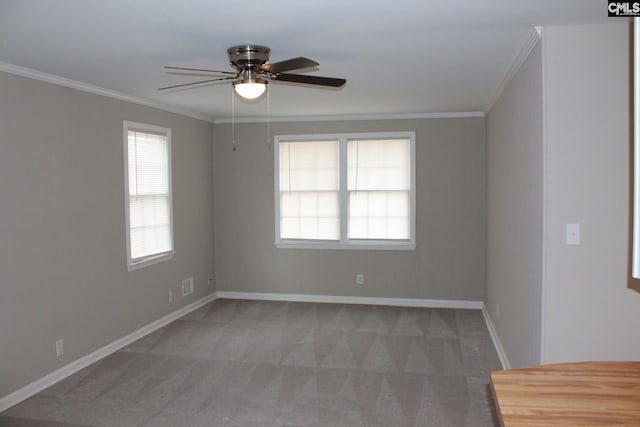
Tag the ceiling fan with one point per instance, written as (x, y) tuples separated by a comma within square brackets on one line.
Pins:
[(253, 72)]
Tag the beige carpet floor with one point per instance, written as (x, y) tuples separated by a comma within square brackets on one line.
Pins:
[(238, 363)]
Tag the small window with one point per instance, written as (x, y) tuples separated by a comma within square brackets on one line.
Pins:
[(349, 191), (148, 194), (379, 186), (309, 190)]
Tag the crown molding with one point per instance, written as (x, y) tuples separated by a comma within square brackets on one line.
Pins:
[(534, 36), (96, 90), (350, 117)]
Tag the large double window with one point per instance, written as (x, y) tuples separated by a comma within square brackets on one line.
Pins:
[(148, 194), (347, 191)]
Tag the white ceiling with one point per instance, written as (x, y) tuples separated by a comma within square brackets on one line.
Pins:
[(400, 57)]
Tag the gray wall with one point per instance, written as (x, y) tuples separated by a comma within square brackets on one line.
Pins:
[(448, 262), (63, 270), (563, 303), (588, 312), (514, 206)]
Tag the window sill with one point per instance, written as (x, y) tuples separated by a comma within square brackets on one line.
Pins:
[(355, 245), (149, 261)]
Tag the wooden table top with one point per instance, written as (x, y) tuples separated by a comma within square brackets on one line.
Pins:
[(569, 394)]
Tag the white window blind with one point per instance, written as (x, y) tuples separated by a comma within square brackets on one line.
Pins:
[(345, 191), (148, 185), (309, 190), (379, 187)]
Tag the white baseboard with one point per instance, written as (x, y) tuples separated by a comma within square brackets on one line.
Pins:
[(496, 340), (401, 302), (48, 380)]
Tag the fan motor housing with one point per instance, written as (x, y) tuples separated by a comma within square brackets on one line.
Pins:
[(248, 56)]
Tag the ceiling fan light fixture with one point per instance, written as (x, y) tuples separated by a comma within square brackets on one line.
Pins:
[(250, 90), (254, 71), (249, 86)]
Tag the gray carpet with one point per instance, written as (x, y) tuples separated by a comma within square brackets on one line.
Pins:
[(237, 363)]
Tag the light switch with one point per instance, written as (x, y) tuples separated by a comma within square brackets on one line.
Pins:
[(572, 234)]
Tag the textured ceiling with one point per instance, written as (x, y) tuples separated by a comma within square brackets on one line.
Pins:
[(400, 57)]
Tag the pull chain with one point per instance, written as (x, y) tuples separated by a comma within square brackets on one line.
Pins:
[(233, 118), (289, 165), (357, 163), (268, 119)]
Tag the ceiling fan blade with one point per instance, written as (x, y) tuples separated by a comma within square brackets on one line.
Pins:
[(289, 64), (312, 80), (201, 69), (197, 83)]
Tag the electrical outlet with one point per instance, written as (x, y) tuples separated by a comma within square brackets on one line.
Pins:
[(210, 279), (187, 286), (59, 347), (359, 279)]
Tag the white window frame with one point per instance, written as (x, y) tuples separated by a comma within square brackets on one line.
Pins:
[(134, 264), (345, 242)]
